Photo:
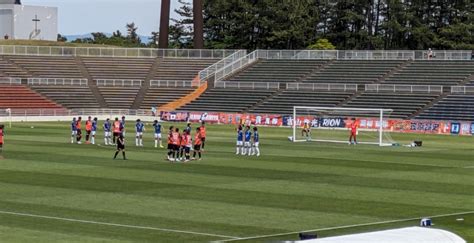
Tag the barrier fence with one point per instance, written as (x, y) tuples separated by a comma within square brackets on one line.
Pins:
[(404, 88), (57, 81), (114, 52), (321, 87), (247, 85), (171, 83), (118, 82), (236, 66), (211, 70), (462, 89), (10, 81)]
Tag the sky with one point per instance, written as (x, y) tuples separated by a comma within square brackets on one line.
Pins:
[(86, 16)]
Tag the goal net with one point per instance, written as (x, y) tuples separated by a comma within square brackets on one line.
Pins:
[(334, 124)]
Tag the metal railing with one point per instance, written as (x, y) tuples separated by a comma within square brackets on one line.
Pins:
[(404, 88), (57, 81), (321, 87), (247, 85), (363, 55), (10, 81), (235, 66), (18, 112), (114, 52), (171, 83), (462, 89), (211, 70), (118, 82)]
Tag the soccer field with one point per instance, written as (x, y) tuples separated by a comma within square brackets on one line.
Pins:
[(52, 190)]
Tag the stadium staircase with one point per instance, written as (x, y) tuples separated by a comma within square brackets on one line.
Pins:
[(21, 97), (146, 84), (10, 69), (92, 85)]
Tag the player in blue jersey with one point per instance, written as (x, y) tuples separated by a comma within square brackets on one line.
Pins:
[(247, 138), (139, 129), (255, 140), (157, 127), (107, 132), (94, 130), (240, 140), (73, 130), (122, 125)]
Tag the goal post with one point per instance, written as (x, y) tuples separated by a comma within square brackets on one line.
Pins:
[(332, 124)]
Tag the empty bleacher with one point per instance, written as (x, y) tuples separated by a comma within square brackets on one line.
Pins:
[(118, 68), (227, 100), (453, 107), (69, 96), (9, 70), (283, 103), (427, 72), (48, 66), (156, 97), (181, 68), (354, 71), (119, 97), (403, 104), (276, 70), (21, 97)]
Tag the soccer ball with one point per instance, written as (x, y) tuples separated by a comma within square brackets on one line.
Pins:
[(32, 127), (290, 138)]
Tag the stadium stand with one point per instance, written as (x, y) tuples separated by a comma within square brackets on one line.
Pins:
[(21, 97), (118, 68), (403, 104), (182, 69), (354, 71), (157, 97), (277, 70), (72, 97), (227, 100), (8, 69), (430, 72), (119, 97), (452, 107), (48, 66), (283, 102)]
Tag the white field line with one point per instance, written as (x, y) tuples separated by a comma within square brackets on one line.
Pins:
[(469, 167), (117, 225), (344, 227)]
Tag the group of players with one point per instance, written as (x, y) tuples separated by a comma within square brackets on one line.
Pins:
[(247, 143), (179, 144)]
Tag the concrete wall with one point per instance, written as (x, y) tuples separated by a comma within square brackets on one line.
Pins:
[(24, 26), (6, 22)]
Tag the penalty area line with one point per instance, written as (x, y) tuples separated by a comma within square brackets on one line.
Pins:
[(117, 225), (345, 227)]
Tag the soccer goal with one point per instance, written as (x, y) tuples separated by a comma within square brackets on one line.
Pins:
[(334, 124)]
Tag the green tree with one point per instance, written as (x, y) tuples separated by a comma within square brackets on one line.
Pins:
[(322, 44), (181, 32), (61, 38)]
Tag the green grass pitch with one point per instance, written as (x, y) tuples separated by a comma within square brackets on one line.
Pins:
[(51, 190)]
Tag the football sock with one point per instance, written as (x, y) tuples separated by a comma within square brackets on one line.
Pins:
[(115, 156)]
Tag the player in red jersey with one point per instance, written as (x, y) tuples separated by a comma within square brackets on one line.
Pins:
[(197, 143), (353, 129), (2, 134), (202, 130), (170, 142)]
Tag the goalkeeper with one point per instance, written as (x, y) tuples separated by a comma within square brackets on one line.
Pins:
[(306, 131)]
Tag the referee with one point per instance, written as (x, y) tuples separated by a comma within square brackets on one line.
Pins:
[(120, 146)]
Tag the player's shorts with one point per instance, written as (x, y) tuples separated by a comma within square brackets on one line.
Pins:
[(187, 149), (197, 147), (73, 133), (176, 147), (93, 133), (88, 131), (79, 132), (203, 139), (139, 134), (255, 144), (240, 143), (157, 135), (353, 133), (247, 144), (116, 134), (107, 134), (170, 146), (120, 147)]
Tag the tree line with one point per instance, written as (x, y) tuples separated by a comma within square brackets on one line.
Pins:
[(323, 24)]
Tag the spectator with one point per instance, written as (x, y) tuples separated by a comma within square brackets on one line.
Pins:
[(430, 54), (6, 37), (472, 55)]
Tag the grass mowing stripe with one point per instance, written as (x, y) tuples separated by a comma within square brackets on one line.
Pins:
[(117, 225), (345, 226)]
